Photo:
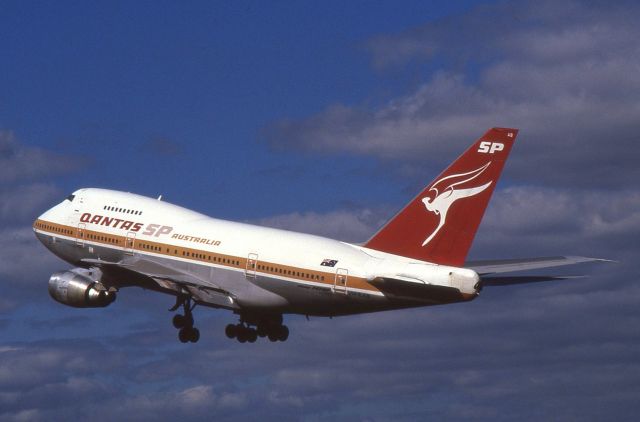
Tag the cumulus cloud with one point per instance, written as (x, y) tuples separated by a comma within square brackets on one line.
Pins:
[(19, 162), (550, 70), (345, 225), (23, 203), (26, 190), (561, 221), (520, 221), (49, 373), (17, 263)]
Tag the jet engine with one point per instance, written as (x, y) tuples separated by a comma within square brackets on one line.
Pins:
[(79, 291)]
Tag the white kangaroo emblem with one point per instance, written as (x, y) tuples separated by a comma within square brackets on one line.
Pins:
[(441, 202)]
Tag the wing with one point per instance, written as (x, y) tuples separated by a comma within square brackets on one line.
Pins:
[(486, 268), (152, 275)]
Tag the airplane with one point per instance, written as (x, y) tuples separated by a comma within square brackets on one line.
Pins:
[(117, 239)]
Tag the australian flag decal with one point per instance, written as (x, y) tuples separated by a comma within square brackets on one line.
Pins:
[(329, 262)]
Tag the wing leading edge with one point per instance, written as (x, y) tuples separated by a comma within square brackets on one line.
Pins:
[(142, 272)]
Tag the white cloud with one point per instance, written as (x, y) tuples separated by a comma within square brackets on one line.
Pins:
[(24, 259), (27, 415), (568, 79), (346, 225), (26, 202), (520, 221), (196, 396), (563, 221), (18, 162)]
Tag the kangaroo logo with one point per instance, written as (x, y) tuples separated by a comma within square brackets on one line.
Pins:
[(445, 194)]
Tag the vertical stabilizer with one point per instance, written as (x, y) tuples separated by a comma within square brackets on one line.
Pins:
[(440, 223)]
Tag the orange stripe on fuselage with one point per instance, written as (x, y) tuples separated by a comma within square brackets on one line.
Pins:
[(199, 255)]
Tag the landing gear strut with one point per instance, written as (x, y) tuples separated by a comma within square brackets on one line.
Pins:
[(184, 323), (265, 326)]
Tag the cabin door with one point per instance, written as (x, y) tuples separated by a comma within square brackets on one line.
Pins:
[(129, 243), (80, 234), (252, 264), (340, 284)]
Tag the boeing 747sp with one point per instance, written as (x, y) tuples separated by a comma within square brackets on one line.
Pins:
[(116, 239)]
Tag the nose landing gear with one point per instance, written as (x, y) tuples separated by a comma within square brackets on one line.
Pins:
[(184, 323)]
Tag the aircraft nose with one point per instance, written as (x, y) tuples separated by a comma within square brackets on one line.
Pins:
[(38, 222), (47, 216)]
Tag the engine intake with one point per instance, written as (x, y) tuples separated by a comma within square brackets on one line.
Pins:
[(73, 289)]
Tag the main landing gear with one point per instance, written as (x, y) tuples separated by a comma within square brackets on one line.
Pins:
[(184, 323), (265, 326)]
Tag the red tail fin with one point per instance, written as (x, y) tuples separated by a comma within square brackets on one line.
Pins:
[(440, 223)]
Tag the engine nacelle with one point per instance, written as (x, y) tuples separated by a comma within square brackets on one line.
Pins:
[(73, 289)]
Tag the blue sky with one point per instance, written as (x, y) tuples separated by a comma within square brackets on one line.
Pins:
[(326, 117), (148, 91)]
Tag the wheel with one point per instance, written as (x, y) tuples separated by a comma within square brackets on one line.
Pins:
[(231, 331), (262, 330), (184, 335), (252, 336), (194, 335), (283, 333), (243, 335), (272, 336), (178, 320)]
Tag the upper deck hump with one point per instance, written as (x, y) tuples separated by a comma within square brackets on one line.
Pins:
[(149, 206), (199, 223)]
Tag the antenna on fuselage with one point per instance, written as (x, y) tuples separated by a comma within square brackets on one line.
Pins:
[(160, 198)]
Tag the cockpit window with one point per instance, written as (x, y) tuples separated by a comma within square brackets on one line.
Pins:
[(70, 197)]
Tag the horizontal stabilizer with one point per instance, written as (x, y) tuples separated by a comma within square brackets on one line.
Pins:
[(508, 281), (513, 265)]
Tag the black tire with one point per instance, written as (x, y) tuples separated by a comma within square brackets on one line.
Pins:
[(262, 330), (184, 335), (283, 333), (178, 321), (194, 335), (273, 337), (231, 331), (253, 336), (243, 335)]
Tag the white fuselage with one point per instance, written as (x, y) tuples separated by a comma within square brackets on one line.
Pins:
[(261, 268)]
